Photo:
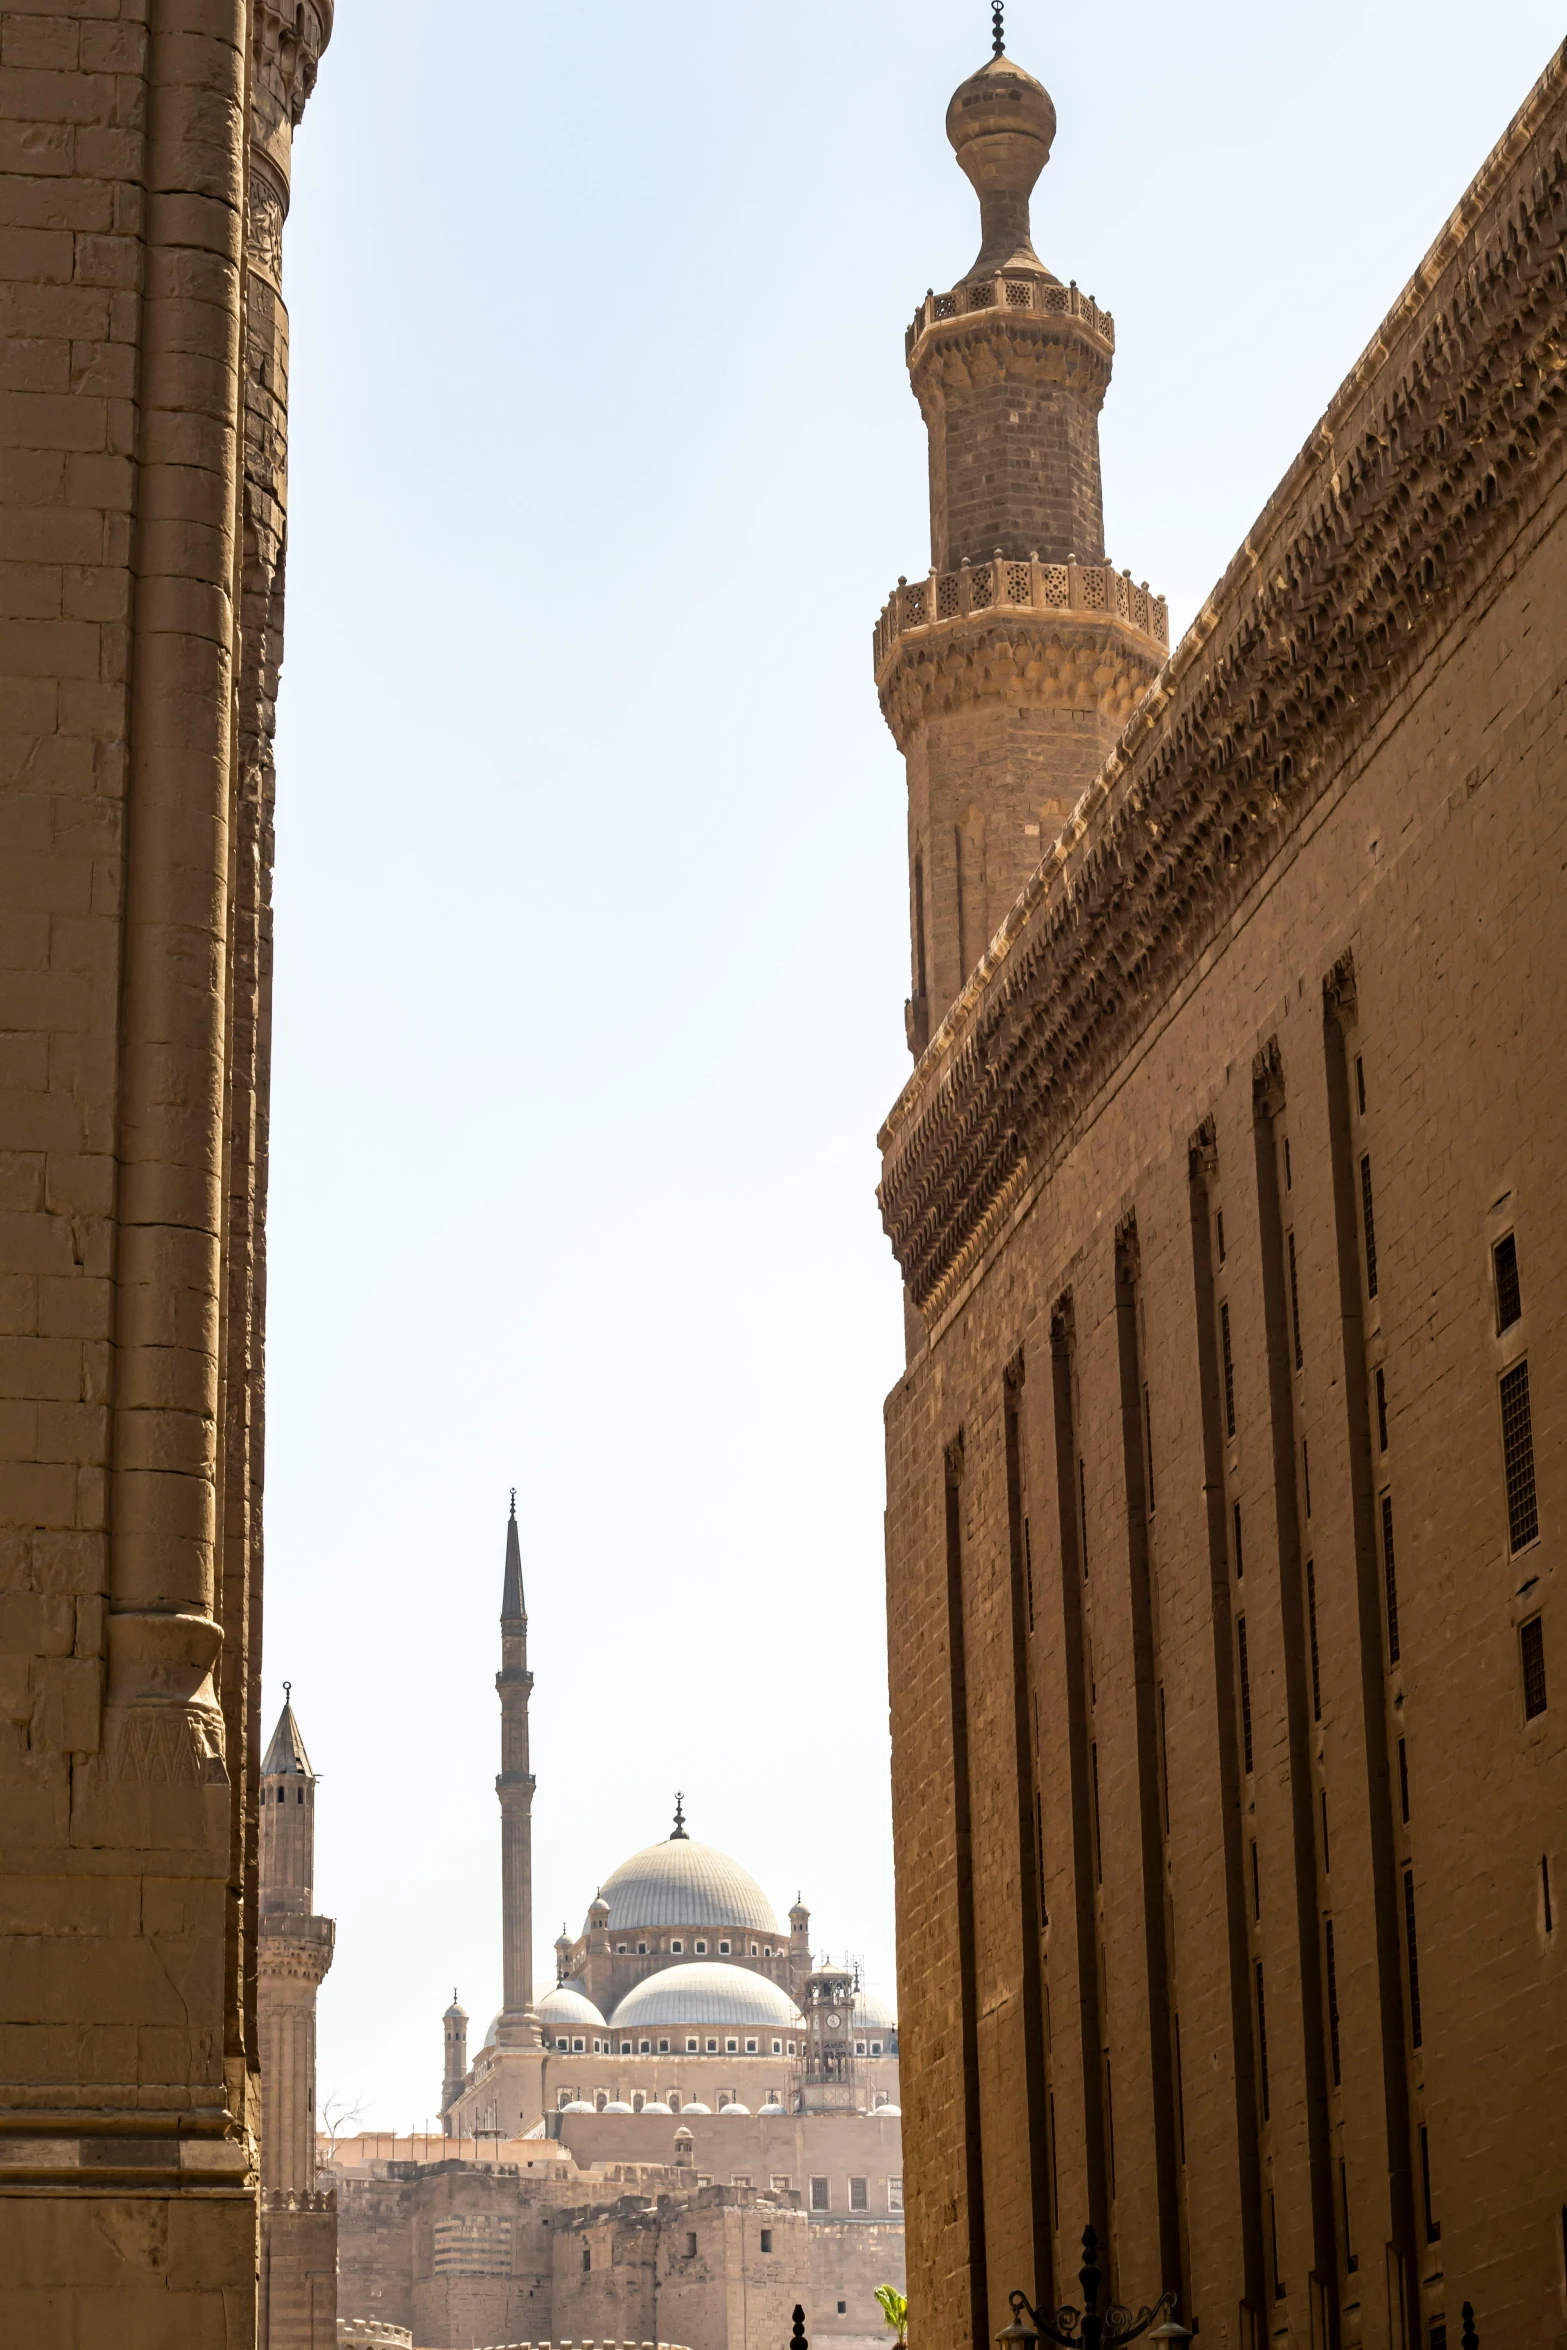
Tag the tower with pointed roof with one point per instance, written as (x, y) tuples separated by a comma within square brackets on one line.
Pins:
[(1009, 671), (295, 1953), (298, 2280), (514, 1787)]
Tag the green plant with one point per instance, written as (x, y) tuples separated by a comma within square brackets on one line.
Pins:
[(895, 2309)]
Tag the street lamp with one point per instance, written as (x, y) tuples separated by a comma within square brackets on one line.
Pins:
[(1086, 2329)]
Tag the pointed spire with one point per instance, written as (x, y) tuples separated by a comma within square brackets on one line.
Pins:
[(286, 1755), (511, 1589), (680, 1836)]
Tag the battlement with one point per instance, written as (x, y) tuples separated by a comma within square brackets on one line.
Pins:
[(1097, 589), (1010, 293)]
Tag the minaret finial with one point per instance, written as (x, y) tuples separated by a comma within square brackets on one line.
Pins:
[(680, 1819), (288, 1692), (514, 1501), (998, 39)]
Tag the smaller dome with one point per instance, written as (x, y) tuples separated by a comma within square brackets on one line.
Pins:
[(657, 2105), (577, 2105), (886, 2113), (873, 2014), (772, 2106), (706, 1992), (696, 2106), (734, 2106), (569, 2004), (615, 2105)]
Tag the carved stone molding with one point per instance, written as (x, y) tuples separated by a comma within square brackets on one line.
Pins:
[(1267, 1080), (1446, 435), (287, 41), (1019, 295), (1050, 661), (1009, 347)]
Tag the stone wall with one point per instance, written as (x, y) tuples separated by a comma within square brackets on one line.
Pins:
[(1228, 1757), (134, 848)]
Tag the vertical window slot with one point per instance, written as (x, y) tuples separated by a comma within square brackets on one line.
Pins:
[(1240, 1640), (1333, 2035), (1390, 1578), (1300, 1359), (1531, 1644), (1311, 1625), (1381, 1411), (1523, 1516), (1229, 1369), (1412, 1952), (1262, 2043), (1369, 1220), (1504, 1266)]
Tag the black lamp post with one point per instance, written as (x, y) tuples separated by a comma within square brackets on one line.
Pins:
[(1086, 2329)]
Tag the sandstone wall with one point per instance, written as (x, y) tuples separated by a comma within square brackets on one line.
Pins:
[(1228, 1772)]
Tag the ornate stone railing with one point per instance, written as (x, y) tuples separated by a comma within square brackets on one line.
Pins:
[(1011, 293), (1030, 586)]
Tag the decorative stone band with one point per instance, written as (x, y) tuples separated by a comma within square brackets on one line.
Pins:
[(1033, 586), (110, 2159), (274, 2199), (299, 1947), (1010, 293), (1447, 441)]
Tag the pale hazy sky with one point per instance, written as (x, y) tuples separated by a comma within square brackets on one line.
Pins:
[(591, 945)]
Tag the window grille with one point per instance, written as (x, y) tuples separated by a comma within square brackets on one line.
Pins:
[(1390, 1578), (1509, 1300), (1370, 1224), (1229, 1370), (1240, 1638), (894, 2194), (1300, 1360), (1412, 1951), (859, 2195), (1523, 1515), (1531, 1642), (1333, 2042), (821, 2195), (1262, 2042), (1311, 1622)]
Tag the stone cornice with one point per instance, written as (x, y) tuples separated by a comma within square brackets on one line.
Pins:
[(1444, 437), (1012, 348), (299, 1948)]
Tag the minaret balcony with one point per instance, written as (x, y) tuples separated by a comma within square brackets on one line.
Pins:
[(927, 609), (1010, 293)]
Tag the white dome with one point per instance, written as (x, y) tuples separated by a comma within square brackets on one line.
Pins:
[(735, 2106), (873, 2014), (567, 2004), (706, 1993), (772, 2106), (577, 2105), (657, 2105), (695, 2105), (683, 1883), (889, 2112), (615, 2105)]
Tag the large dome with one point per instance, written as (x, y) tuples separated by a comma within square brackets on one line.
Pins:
[(683, 1883), (566, 2005), (706, 1994), (871, 2013)]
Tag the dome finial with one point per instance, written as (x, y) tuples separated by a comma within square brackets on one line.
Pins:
[(288, 1692), (680, 1819), (998, 38)]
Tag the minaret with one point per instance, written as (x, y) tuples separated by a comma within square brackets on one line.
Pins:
[(519, 2024), (1008, 673), (455, 2069), (295, 1950)]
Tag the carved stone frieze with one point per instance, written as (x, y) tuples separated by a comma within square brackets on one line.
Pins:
[(1446, 435), (1031, 660), (1007, 346)]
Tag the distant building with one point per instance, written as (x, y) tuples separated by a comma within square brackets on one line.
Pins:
[(696, 2128)]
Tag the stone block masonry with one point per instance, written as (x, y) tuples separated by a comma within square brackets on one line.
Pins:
[(1222, 1493), (146, 155)]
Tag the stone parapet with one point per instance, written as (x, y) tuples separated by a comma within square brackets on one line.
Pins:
[(1038, 294), (947, 597)]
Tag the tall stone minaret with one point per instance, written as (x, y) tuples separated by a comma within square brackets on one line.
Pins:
[(519, 2024), (295, 1950), (1008, 673)]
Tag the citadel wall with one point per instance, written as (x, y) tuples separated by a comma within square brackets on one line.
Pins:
[(1222, 1532), (144, 484)]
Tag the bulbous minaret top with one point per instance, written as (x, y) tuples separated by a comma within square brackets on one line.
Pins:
[(1001, 123)]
